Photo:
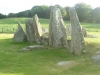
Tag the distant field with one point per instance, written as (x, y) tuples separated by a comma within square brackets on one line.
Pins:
[(9, 25)]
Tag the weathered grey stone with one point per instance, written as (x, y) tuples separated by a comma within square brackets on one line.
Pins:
[(24, 49), (96, 58), (37, 29), (34, 47), (45, 39), (30, 30), (84, 31), (19, 35), (45, 30), (57, 29), (77, 39), (69, 30), (67, 63)]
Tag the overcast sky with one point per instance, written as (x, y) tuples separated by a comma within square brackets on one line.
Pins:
[(14, 6)]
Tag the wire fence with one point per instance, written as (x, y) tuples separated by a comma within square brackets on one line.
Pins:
[(9, 28)]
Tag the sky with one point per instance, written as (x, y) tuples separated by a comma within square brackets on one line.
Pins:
[(15, 6)]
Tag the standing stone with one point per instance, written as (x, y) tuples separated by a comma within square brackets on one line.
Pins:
[(19, 35), (77, 39), (57, 29), (37, 29), (30, 30), (69, 30)]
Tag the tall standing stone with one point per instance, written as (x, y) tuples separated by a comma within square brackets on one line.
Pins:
[(30, 30), (69, 30), (19, 35), (37, 29), (77, 39), (57, 29)]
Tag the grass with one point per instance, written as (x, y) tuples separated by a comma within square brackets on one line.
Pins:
[(9, 25), (44, 62)]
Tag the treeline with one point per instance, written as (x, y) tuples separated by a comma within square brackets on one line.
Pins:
[(85, 12)]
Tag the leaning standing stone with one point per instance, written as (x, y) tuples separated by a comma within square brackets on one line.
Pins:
[(30, 30), (19, 35), (77, 39), (37, 29)]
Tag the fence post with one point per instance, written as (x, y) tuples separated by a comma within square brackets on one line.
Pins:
[(13, 30), (2, 30)]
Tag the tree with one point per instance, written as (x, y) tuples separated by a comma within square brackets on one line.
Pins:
[(95, 15), (26, 13), (41, 11), (67, 17), (10, 15), (2, 16), (63, 10), (83, 11)]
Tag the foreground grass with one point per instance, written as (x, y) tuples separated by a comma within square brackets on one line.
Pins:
[(44, 62)]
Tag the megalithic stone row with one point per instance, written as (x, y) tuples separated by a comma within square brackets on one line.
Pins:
[(30, 30), (37, 29), (57, 29), (19, 35), (77, 39)]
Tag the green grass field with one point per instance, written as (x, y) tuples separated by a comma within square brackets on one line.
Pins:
[(44, 62), (9, 25)]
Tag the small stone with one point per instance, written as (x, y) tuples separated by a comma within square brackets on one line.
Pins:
[(96, 58), (45, 30), (63, 63), (34, 47), (24, 49)]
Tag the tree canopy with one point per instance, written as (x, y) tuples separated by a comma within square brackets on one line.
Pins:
[(84, 11)]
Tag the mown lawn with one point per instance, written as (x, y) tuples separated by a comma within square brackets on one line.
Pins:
[(45, 62)]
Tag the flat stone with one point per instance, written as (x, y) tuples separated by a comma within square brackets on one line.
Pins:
[(63, 63), (96, 58), (24, 49), (35, 47)]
